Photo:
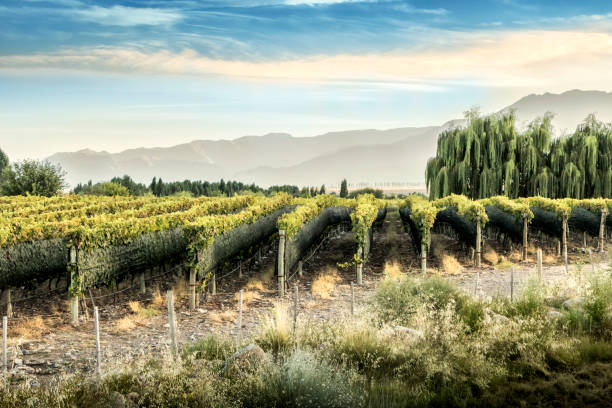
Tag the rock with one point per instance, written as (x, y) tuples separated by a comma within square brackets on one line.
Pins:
[(499, 318), (573, 303), (116, 400), (18, 362), (133, 397), (554, 314), (407, 331), (34, 382), (243, 359)]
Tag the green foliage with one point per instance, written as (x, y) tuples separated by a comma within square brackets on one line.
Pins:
[(344, 189), (375, 192), (362, 218), (306, 211), (489, 158), (470, 210), (32, 177), (4, 161), (423, 214), (209, 348)]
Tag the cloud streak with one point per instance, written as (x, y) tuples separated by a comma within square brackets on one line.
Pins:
[(530, 58), (127, 16)]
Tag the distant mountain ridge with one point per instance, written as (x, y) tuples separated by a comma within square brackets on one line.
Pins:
[(368, 156)]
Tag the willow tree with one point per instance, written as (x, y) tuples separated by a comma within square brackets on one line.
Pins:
[(489, 157)]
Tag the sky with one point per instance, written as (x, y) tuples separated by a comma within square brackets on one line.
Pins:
[(112, 75)]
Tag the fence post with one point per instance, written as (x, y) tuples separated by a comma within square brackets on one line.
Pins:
[(477, 283), (300, 266), (4, 335), (171, 324), (143, 285), (359, 266), (240, 320), (213, 283), (564, 238), (240, 269), (281, 262), (478, 240), (423, 258), (9, 304), (539, 263), (525, 232), (352, 299), (97, 332), (512, 284), (192, 288), (259, 255), (591, 259), (74, 298), (602, 229), (295, 307)]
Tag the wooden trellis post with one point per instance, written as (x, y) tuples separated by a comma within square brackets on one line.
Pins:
[(281, 262), (423, 258), (564, 239), (525, 232), (539, 263), (602, 230), (74, 274), (478, 240), (359, 266), (171, 325)]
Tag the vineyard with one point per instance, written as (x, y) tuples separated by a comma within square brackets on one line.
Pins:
[(349, 285), (98, 242)]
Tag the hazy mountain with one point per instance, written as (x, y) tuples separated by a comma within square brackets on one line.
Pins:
[(212, 160), (569, 108), (396, 155)]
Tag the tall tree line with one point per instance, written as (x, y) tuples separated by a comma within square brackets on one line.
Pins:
[(490, 157)]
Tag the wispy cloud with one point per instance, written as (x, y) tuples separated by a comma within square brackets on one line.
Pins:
[(127, 16), (531, 58)]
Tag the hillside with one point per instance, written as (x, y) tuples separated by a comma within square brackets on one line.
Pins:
[(395, 155)]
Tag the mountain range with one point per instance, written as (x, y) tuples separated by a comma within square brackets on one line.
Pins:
[(363, 156)]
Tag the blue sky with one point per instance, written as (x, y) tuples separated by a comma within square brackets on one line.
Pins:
[(118, 74)]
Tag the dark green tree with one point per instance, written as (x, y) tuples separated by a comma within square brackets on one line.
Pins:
[(4, 160), (344, 189), (322, 190), (32, 177)]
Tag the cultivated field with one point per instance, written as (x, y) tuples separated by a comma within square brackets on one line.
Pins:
[(360, 302)]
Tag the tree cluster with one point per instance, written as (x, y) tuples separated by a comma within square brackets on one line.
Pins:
[(490, 157)]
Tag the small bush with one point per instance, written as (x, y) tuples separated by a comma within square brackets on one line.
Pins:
[(210, 348), (451, 265), (275, 335)]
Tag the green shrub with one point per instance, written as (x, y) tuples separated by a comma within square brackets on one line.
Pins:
[(210, 348)]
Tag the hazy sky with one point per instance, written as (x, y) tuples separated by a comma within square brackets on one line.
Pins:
[(111, 75)]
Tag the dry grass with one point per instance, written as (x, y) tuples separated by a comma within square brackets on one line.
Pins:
[(158, 299), (222, 316), (491, 256), (325, 284), (257, 283), (451, 265), (32, 328), (180, 288), (138, 316), (248, 297), (393, 271), (124, 324)]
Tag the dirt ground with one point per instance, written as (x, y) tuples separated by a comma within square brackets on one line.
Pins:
[(43, 347)]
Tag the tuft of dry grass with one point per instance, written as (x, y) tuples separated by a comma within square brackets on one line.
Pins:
[(138, 316), (32, 328), (393, 271), (158, 299), (325, 284), (126, 323), (257, 283), (180, 288), (222, 316), (451, 265), (248, 297), (491, 256)]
